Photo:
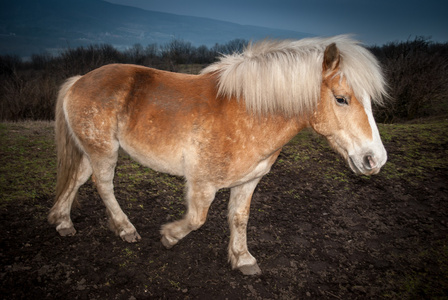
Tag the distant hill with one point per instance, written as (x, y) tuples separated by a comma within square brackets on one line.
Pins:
[(36, 26)]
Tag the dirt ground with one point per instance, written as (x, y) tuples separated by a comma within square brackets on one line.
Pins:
[(317, 230)]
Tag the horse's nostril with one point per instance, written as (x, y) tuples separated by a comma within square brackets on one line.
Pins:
[(369, 162)]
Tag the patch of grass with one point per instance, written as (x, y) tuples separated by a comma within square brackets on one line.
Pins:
[(174, 284), (428, 282), (416, 143), (28, 161)]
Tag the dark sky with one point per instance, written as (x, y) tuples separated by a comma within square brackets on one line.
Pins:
[(372, 21)]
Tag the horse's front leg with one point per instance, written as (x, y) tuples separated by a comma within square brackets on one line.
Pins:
[(199, 198), (239, 208)]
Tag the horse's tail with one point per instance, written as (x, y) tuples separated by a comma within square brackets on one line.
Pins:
[(68, 152)]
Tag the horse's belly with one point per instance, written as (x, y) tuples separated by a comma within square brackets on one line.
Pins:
[(161, 159)]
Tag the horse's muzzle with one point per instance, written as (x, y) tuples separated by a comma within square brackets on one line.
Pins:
[(366, 165)]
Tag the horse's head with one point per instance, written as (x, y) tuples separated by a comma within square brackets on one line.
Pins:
[(347, 121)]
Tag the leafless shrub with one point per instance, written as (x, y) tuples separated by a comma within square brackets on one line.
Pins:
[(84, 59), (417, 73), (28, 95), (236, 45)]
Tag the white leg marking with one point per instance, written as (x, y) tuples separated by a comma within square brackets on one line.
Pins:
[(239, 208)]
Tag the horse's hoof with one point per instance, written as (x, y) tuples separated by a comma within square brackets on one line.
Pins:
[(67, 231), (250, 269), (132, 237), (167, 243)]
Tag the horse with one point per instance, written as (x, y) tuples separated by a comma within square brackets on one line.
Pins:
[(222, 128)]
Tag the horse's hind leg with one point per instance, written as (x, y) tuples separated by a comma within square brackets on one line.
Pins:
[(103, 171), (239, 208), (60, 212), (199, 198)]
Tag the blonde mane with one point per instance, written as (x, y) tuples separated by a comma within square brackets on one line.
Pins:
[(285, 76)]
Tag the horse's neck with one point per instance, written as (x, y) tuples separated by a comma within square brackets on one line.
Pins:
[(278, 131), (270, 132)]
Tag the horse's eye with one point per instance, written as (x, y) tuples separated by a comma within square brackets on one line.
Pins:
[(341, 100)]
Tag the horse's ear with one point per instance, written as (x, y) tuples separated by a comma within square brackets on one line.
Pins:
[(331, 58)]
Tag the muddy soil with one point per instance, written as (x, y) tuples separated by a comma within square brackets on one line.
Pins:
[(317, 230)]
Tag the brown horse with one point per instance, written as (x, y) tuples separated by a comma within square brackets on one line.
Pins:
[(222, 128)]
